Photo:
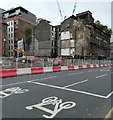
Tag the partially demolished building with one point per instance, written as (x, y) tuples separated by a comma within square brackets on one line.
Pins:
[(81, 37)]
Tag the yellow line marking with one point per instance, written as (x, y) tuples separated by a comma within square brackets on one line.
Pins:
[(109, 114)]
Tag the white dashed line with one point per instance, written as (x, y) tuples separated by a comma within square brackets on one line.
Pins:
[(101, 76), (45, 78), (76, 83), (28, 81), (91, 71), (75, 73)]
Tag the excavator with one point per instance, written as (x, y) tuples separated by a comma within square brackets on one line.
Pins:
[(17, 52), (20, 54)]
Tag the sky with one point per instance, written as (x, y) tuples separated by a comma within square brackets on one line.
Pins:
[(48, 9)]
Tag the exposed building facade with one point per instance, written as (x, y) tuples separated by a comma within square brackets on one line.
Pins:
[(111, 51), (81, 37), (45, 39), (16, 18), (66, 41)]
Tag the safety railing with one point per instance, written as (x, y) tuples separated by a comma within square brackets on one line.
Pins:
[(12, 63)]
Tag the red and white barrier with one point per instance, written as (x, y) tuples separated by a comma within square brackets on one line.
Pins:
[(47, 69), (63, 68), (37, 70), (70, 67), (8, 73), (80, 66), (23, 71), (56, 69)]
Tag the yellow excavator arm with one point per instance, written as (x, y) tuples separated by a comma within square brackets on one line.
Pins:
[(18, 49)]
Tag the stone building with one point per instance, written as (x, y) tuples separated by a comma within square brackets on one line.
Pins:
[(45, 39), (81, 37), (111, 46), (66, 41)]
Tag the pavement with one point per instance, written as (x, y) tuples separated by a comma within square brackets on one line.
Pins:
[(86, 93)]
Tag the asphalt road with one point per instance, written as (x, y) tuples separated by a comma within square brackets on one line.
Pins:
[(86, 93)]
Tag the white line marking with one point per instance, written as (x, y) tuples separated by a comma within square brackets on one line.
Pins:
[(101, 76), (91, 71), (67, 89), (27, 81), (75, 73), (76, 83), (109, 94), (45, 78), (13, 84)]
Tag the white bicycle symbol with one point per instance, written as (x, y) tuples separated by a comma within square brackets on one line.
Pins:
[(11, 91), (54, 101)]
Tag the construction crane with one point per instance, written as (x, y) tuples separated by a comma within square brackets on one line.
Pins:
[(60, 10), (74, 7)]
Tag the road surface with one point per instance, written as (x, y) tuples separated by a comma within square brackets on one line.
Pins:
[(86, 93)]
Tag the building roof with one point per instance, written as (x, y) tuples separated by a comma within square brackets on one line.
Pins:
[(82, 13), (2, 9), (72, 16), (12, 9)]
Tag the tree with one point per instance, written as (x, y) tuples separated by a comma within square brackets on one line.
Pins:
[(27, 33)]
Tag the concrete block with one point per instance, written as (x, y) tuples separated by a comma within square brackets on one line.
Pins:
[(64, 68), (47, 69), (23, 71)]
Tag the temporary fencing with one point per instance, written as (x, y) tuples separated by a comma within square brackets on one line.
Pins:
[(23, 71)]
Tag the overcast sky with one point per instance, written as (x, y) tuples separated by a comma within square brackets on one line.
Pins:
[(48, 9)]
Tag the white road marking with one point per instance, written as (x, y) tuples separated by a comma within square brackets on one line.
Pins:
[(76, 83), (10, 91), (13, 84), (109, 94), (75, 73), (105, 70), (91, 71), (67, 89), (52, 101), (101, 75), (45, 78), (26, 81)]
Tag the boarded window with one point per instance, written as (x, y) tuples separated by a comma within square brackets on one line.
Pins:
[(65, 52), (72, 43), (65, 35)]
